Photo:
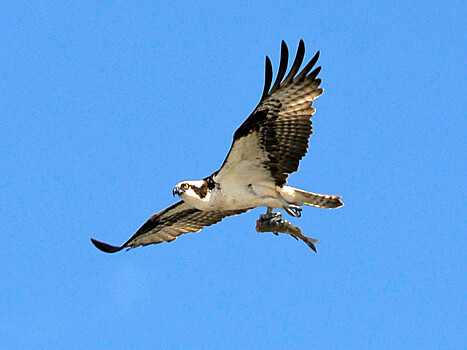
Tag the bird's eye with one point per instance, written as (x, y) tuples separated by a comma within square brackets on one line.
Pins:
[(185, 186)]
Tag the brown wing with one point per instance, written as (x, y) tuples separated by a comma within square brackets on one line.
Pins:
[(168, 224), (280, 125)]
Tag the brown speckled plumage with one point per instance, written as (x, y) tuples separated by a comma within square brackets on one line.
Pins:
[(283, 116)]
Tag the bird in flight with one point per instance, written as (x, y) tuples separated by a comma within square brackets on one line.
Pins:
[(266, 148)]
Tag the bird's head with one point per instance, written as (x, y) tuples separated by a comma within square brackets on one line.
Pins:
[(191, 190)]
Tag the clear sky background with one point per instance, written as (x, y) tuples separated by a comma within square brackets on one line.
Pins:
[(105, 107)]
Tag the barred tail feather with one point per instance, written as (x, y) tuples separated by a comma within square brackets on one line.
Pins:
[(326, 201)]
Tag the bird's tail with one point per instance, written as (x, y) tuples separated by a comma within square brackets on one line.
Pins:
[(326, 201)]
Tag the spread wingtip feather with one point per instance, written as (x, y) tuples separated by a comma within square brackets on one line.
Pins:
[(105, 247)]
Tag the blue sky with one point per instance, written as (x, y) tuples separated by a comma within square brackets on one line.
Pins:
[(104, 107)]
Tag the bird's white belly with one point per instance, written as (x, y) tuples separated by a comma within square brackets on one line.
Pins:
[(245, 195)]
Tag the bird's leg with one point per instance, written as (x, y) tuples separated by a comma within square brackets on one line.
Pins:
[(274, 217), (269, 220), (293, 210)]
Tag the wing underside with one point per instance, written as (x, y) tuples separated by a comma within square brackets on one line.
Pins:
[(168, 224), (281, 123)]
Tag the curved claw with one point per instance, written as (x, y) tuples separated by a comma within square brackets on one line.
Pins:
[(294, 210), (297, 211)]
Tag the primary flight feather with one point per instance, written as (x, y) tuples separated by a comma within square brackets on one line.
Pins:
[(266, 148)]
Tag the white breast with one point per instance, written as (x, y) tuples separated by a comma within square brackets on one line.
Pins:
[(243, 179)]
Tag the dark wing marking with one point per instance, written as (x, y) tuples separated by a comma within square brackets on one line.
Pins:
[(282, 120), (168, 224)]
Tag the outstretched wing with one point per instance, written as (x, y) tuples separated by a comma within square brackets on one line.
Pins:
[(168, 224), (274, 138)]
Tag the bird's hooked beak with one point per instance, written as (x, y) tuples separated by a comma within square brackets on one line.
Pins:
[(177, 191)]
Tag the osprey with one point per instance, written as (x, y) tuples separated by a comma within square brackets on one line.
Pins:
[(266, 148)]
